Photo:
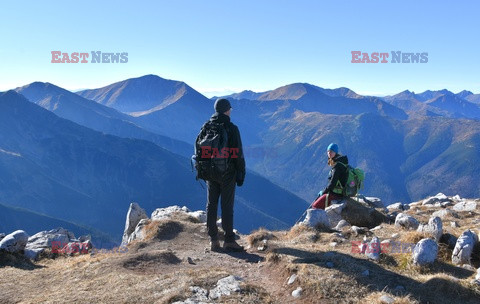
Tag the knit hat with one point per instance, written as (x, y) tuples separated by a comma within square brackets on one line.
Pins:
[(222, 105), (332, 147)]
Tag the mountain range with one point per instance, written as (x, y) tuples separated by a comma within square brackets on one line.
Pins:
[(286, 129), (96, 116), (91, 153), (53, 166)]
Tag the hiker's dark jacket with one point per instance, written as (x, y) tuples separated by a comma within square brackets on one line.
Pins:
[(338, 173), (234, 141)]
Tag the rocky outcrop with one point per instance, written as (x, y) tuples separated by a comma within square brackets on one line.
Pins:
[(465, 206), (444, 213), (52, 239), (134, 215), (14, 242), (166, 213), (224, 287), (358, 214), (316, 218), (397, 207), (334, 213), (374, 202), (439, 200), (139, 233), (137, 219), (464, 247), (425, 252)]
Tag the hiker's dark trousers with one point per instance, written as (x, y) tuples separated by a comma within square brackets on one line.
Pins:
[(225, 190)]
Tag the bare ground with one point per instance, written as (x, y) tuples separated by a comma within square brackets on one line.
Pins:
[(176, 257)]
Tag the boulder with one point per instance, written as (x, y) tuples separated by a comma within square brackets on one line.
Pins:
[(465, 206), (375, 202), (359, 215), (292, 279), (77, 247), (454, 224), (397, 207), (437, 201), (334, 213), (358, 230), (200, 216), (406, 221), (199, 296), (434, 228), (297, 293), (14, 242), (373, 249), (385, 299), (457, 198), (425, 252), (444, 213), (464, 247), (138, 234), (342, 224), (54, 239), (316, 218), (165, 213), (134, 215), (226, 287)]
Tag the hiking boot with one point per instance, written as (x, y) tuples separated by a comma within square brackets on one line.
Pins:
[(215, 246), (232, 246)]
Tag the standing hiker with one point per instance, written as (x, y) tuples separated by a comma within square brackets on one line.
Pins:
[(336, 179), (221, 164)]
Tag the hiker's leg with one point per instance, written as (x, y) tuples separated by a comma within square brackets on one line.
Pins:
[(320, 202), (213, 193), (228, 197)]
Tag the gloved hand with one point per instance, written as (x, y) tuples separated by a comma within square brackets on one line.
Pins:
[(239, 183), (320, 193)]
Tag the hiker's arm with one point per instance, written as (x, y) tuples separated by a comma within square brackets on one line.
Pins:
[(333, 181)]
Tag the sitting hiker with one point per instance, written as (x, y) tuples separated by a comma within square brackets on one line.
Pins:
[(336, 179)]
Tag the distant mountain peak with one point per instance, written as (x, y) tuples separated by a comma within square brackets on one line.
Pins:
[(464, 94), (141, 95), (292, 91), (428, 94)]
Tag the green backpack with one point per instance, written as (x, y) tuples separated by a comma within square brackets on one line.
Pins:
[(355, 179)]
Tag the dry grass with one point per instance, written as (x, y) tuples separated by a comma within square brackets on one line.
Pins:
[(444, 253), (298, 230), (163, 230), (273, 257), (156, 270), (258, 236), (329, 285), (374, 298), (411, 237)]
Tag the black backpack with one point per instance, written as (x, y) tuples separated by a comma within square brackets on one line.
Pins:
[(211, 152)]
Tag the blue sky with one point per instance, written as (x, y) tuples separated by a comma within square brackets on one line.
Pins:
[(224, 46)]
